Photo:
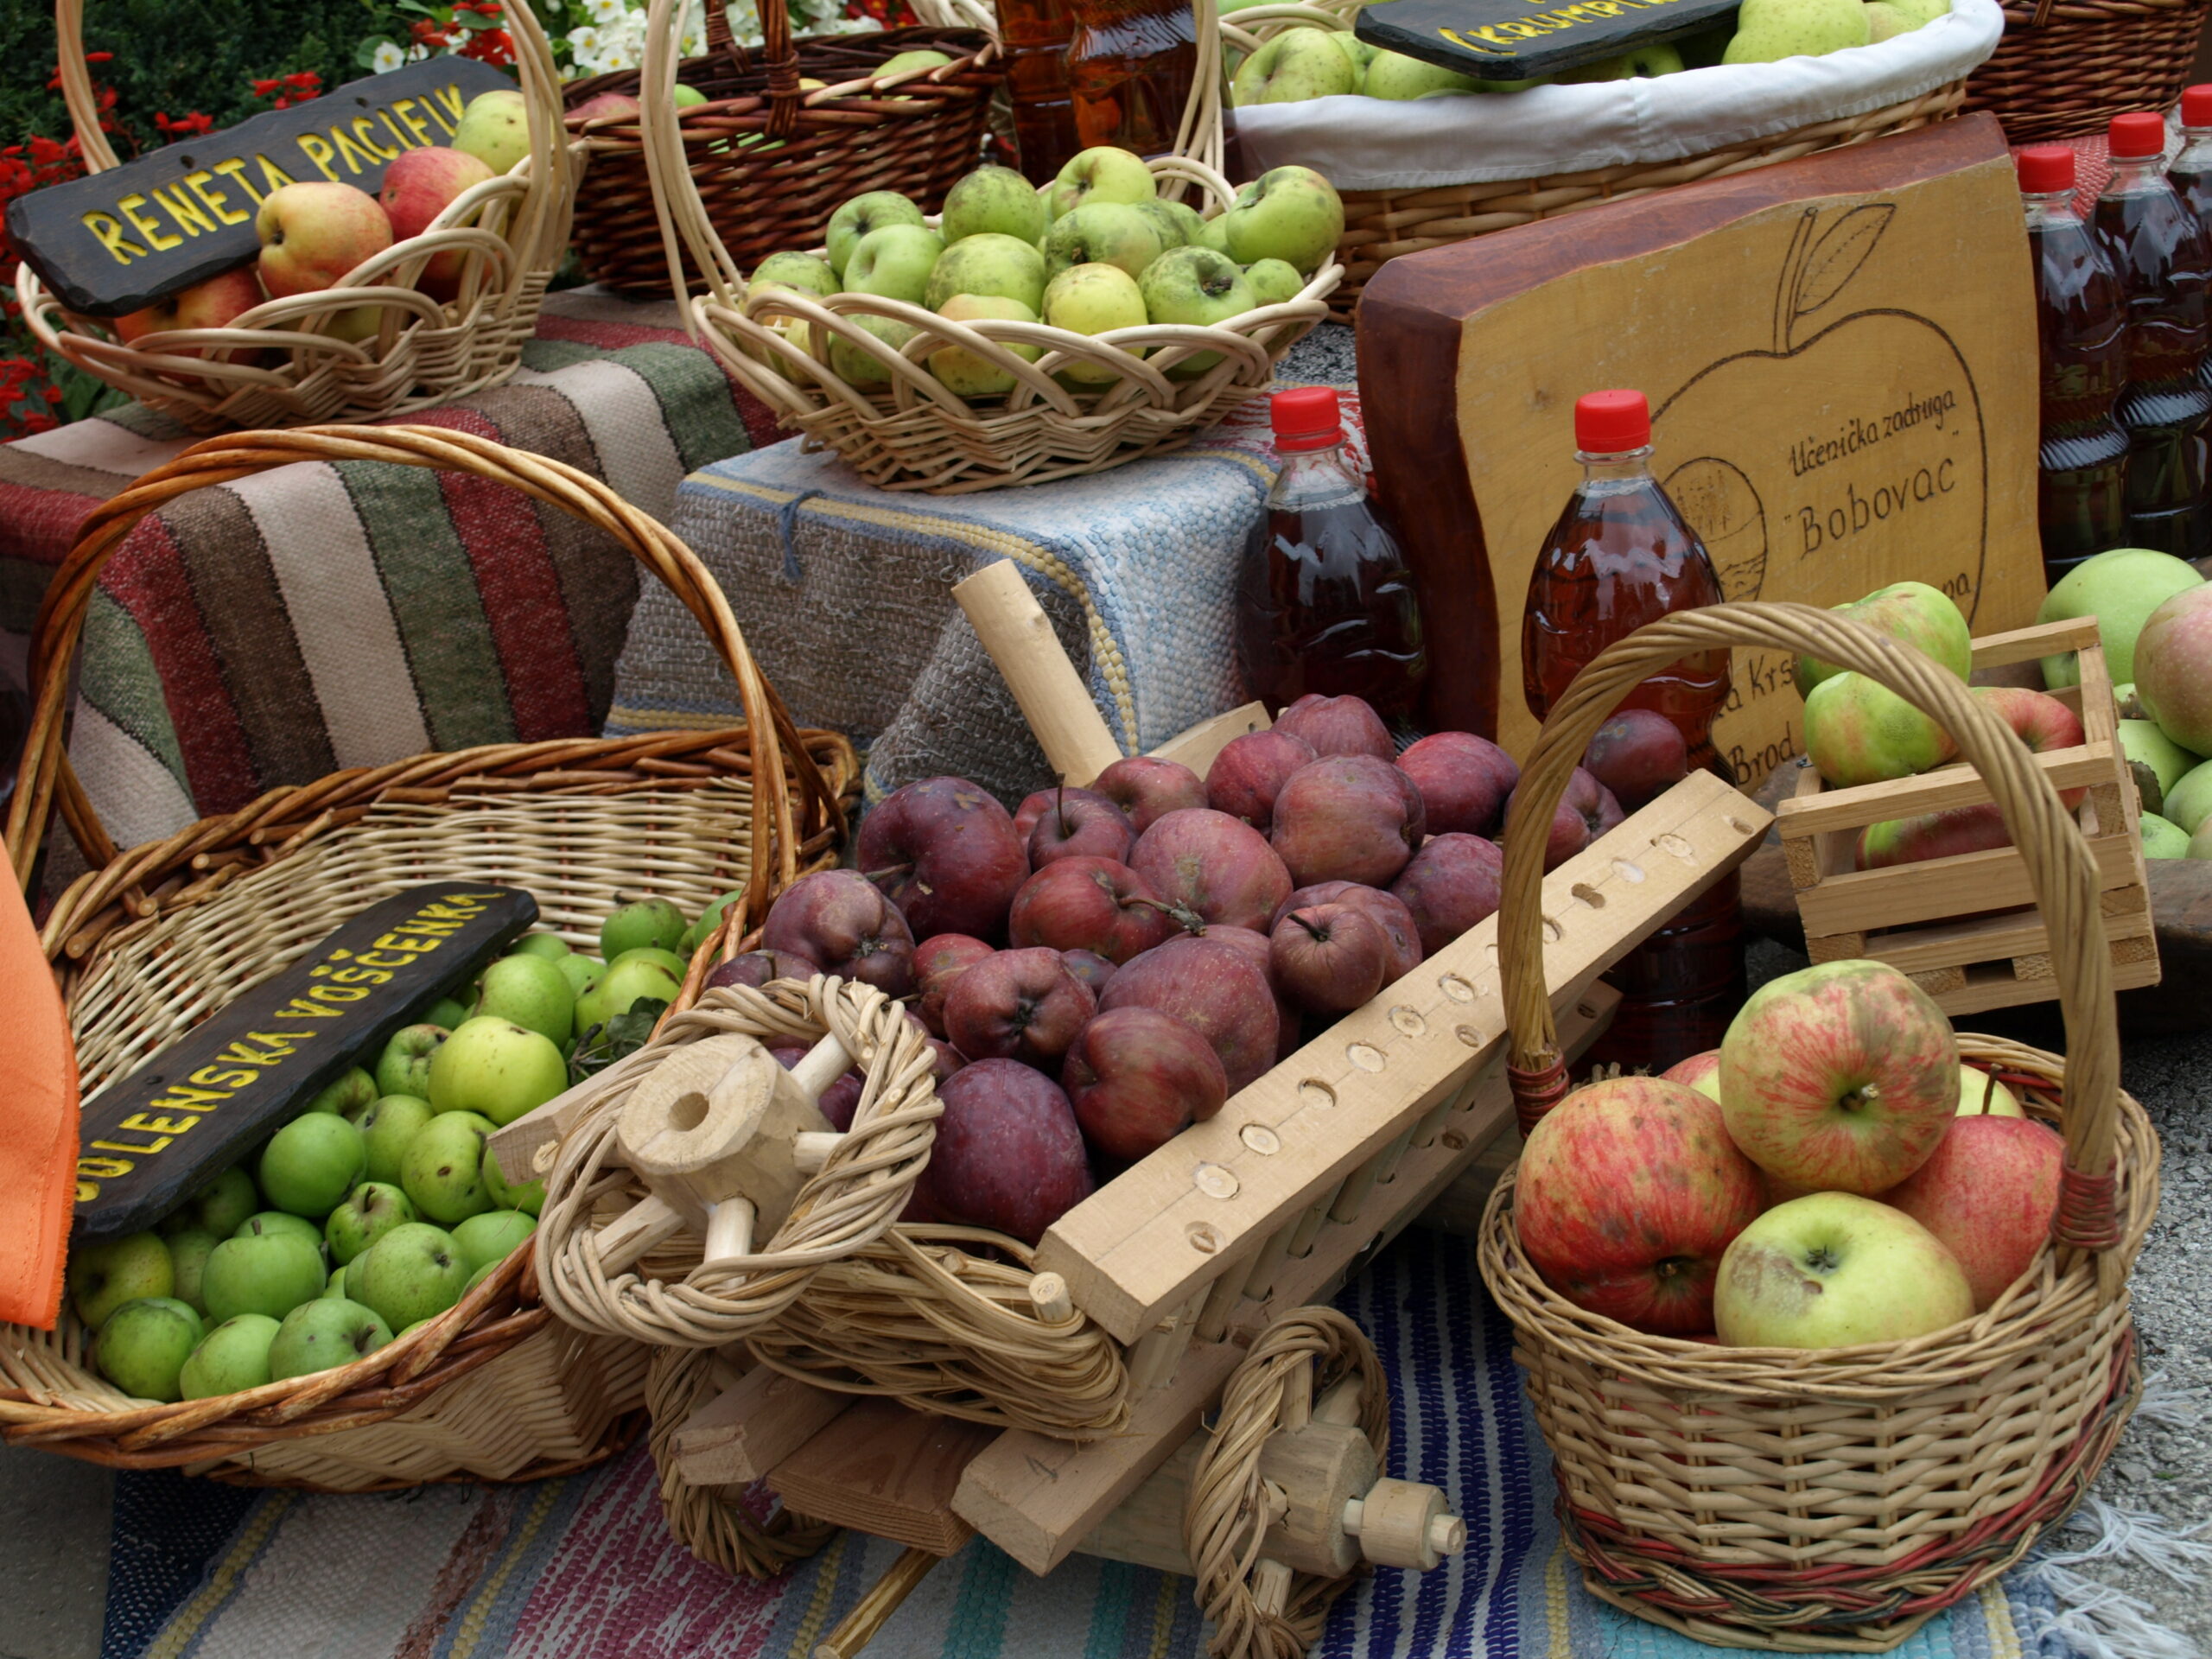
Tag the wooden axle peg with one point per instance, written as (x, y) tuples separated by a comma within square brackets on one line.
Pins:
[(1404, 1523)]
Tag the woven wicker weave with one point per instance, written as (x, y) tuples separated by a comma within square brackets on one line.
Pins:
[(275, 367), (1833, 1501), (2066, 68), (157, 937)]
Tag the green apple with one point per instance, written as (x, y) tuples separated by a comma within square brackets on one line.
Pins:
[(900, 62), (987, 263), (490, 1238), (479, 1276), (1292, 67), (1092, 300), (581, 970), (1102, 173), (1272, 282), (442, 1172), (419, 1325), (1102, 233), (641, 924), (1982, 1095), (264, 1222), (188, 1253), (892, 263), (144, 1346), (677, 963), (263, 1273), (529, 1197), (386, 1127), (2120, 588), (1920, 12), (311, 1164), (1290, 213), (412, 1273), (2157, 760), (1213, 233), (495, 130), (552, 946), (353, 1090), (991, 201), (1833, 1270), (1912, 614), (858, 367), (372, 1210), (403, 1068), (2188, 803), (336, 1286), (1858, 732), (529, 991), (2163, 839), (326, 1332), (105, 1272), (2200, 844), (795, 273), (447, 1012), (1357, 50), (966, 372), (1641, 64), (1768, 31), (230, 1359), (686, 97), (851, 222), (1178, 223), (1884, 22), (1196, 286), (1399, 78), (498, 1068), (217, 1207), (628, 982)]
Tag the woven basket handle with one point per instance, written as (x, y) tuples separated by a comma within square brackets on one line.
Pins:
[(778, 754), (684, 225), (2060, 866)]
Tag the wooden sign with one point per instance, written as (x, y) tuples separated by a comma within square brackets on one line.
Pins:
[(114, 242), (1840, 356), (1518, 39), (202, 1103)]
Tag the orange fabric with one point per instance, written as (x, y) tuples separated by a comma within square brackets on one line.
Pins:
[(38, 1124)]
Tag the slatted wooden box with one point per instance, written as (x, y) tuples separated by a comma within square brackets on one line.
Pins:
[(1966, 927)]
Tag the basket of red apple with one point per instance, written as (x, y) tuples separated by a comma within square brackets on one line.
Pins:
[(1825, 1329), (210, 1331), (410, 273)]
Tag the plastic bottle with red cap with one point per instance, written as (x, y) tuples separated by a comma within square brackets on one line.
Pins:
[(2081, 326), (2163, 262), (2191, 172), (1621, 556), (1324, 600)]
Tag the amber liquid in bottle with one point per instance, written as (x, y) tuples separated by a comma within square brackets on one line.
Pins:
[(1037, 33), (1130, 68), (2081, 319)]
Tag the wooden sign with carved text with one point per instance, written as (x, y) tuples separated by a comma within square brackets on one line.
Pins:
[(117, 241), (1840, 356), (1517, 40)]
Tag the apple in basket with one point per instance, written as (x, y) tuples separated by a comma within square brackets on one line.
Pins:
[(1088, 827), (1988, 1192), (1389, 912), (1586, 811), (1329, 958), (1347, 817), (1221, 869), (215, 303), (1022, 1004), (939, 960), (1338, 726), (495, 130), (418, 186), (1102, 173), (1452, 883), (1088, 903), (1464, 781), (311, 235), (1700, 1071), (946, 853), (838, 919), (1250, 770), (1638, 754), (1290, 213), (1009, 1154), (1138, 1077), (1214, 987), (1149, 789), (1833, 1270)]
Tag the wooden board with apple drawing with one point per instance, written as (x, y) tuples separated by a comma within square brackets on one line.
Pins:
[(1840, 354)]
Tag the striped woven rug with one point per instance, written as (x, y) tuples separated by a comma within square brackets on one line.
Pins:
[(581, 1568)]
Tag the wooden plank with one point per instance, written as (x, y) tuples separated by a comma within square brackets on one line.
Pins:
[(1934, 888), (1146, 1528), (746, 1431), (2038, 640), (885, 1470), (1197, 747), (1163, 1229), (1958, 785), (1985, 938), (1053, 699), (1984, 990)]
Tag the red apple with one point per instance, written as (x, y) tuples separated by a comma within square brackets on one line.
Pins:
[(1329, 958), (1388, 911), (1840, 1077), (1090, 967), (946, 853), (1700, 1071), (2038, 719), (1009, 1154), (605, 105), (1216, 989), (1338, 726), (1017, 1005), (1628, 1192), (215, 303), (759, 967), (1452, 883), (1260, 953), (1219, 868), (1089, 828), (949, 1058), (939, 960), (1464, 781), (1138, 1077), (1639, 755), (2173, 667), (418, 186), (312, 234), (1932, 835), (1033, 804), (1149, 789), (1347, 817), (1088, 903), (1988, 1192), (837, 917), (1251, 770), (1586, 811)]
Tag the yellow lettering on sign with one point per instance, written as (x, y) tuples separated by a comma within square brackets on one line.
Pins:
[(146, 1123), (178, 1095), (124, 1146), (336, 993), (190, 217), (298, 1009), (201, 184), (321, 154), (273, 175), (370, 959), (450, 97), (110, 233), (234, 170), (404, 110), (280, 1041), (405, 142), (419, 946), (155, 237), (104, 1169), (358, 976), (215, 1078), (368, 140), (352, 153)]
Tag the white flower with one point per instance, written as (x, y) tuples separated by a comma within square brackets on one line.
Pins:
[(604, 11), (388, 58), (693, 44), (614, 58), (584, 41)]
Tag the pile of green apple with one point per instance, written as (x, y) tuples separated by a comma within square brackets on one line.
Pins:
[(1094, 251), (1309, 61)]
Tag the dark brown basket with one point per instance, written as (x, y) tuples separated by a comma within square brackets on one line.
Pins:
[(811, 150), (2065, 69)]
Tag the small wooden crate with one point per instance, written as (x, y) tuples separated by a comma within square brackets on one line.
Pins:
[(1966, 927)]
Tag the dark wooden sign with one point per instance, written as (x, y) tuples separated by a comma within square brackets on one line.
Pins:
[(1519, 40), (202, 1103), (117, 241)]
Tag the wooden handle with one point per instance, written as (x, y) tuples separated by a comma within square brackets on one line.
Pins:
[(1014, 630), (873, 1611)]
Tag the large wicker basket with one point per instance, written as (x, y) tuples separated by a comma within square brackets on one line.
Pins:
[(275, 367), (158, 937), (2065, 67), (1833, 1501)]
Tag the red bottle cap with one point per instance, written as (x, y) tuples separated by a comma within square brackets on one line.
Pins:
[(2196, 106), (2131, 137), (2046, 170), (1607, 422), (1306, 417)]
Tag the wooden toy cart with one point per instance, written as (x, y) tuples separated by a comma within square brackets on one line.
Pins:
[(1057, 1395)]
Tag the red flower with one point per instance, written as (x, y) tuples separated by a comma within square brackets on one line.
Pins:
[(185, 126), (491, 46)]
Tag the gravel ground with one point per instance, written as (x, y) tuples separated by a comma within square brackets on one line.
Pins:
[(1324, 357)]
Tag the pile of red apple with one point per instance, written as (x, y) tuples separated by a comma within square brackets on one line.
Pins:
[(1831, 1175)]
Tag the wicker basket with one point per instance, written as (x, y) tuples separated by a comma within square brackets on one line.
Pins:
[(274, 366), (156, 937), (2065, 67), (1833, 1501), (770, 162)]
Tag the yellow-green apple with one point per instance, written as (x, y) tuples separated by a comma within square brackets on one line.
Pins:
[(1768, 31), (497, 1068), (283, 1225), (1328, 958), (1102, 173), (1198, 287), (860, 365), (1338, 726), (214, 304), (1358, 51), (1629, 1193), (1214, 233), (1464, 780), (2120, 588), (529, 1197), (348, 1097), (1272, 282), (1918, 12), (495, 130), (336, 1286), (386, 1127), (1215, 989), (219, 1207), (230, 1359), (988, 262), (2188, 803), (1842, 1077), (403, 1068), (105, 1272), (670, 961), (1858, 732), (2173, 667), (443, 1173), (418, 186), (1147, 788), (1178, 223), (552, 946), (946, 853), (1397, 78), (1021, 1005), (189, 1253), (893, 262), (1220, 868), (312, 234), (1138, 1077), (2158, 762), (371, 1211), (1290, 213), (1292, 67), (1884, 22), (642, 924), (1073, 904), (1836, 1270), (1250, 770), (799, 273), (1912, 614), (991, 201), (413, 1273), (446, 1013), (1700, 1071), (319, 1335), (861, 215), (531, 991), (311, 1164), (2200, 844), (1982, 1095), (969, 373), (142, 1347), (580, 970), (1093, 299), (900, 62), (270, 1273), (1009, 1154), (490, 1238), (1452, 883), (1102, 233), (1988, 1192)]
